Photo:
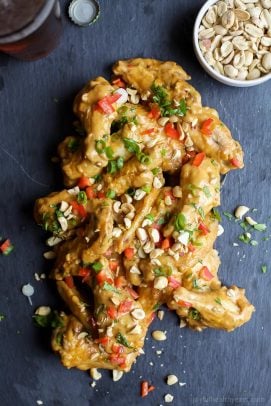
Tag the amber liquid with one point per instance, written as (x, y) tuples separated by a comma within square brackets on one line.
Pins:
[(29, 31)]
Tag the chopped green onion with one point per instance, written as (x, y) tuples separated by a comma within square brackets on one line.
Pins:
[(146, 188), (228, 215), (206, 191), (81, 198), (216, 214), (150, 217), (194, 314), (244, 238), (97, 266), (122, 340), (111, 194), (109, 152), (260, 227), (201, 212), (264, 268), (120, 162), (218, 300), (155, 171), (180, 222), (100, 146), (110, 288), (73, 145)]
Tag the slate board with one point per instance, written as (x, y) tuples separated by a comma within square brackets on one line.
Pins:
[(218, 368)]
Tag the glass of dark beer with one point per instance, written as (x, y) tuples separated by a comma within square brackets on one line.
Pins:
[(29, 29)]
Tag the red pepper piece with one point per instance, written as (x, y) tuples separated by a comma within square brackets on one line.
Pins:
[(116, 359), (69, 281), (133, 293), (84, 272), (235, 162), (144, 389), (90, 193), (120, 281), (171, 131), (155, 112), (103, 340), (206, 126), (183, 303), (105, 104), (119, 82), (6, 247), (148, 131), (112, 312), (78, 209), (198, 159), (191, 247), (83, 182), (206, 274), (101, 195), (129, 252), (125, 306), (173, 283), (166, 243), (113, 265), (203, 228)]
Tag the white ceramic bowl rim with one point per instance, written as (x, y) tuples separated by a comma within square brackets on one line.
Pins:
[(208, 68)]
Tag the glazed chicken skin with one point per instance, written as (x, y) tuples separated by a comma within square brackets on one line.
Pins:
[(137, 224)]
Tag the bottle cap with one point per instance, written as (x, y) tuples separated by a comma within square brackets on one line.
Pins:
[(84, 12)]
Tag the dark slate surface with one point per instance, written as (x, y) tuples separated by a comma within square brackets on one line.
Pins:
[(218, 368)]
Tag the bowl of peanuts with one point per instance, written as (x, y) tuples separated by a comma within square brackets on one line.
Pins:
[(232, 41)]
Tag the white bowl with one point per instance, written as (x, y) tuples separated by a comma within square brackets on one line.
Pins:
[(212, 72)]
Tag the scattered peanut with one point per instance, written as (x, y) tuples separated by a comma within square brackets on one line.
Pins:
[(159, 335)]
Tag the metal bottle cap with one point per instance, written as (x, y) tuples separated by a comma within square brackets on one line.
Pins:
[(84, 12)]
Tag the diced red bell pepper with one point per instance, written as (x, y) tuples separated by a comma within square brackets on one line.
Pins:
[(171, 131), (183, 303), (191, 247), (133, 293), (198, 159), (83, 182), (116, 359), (112, 312), (125, 306), (90, 192), (102, 340), (144, 389), (101, 278), (203, 228), (129, 252), (235, 162), (173, 283), (206, 126), (69, 281), (151, 388), (6, 247), (166, 243), (105, 104), (101, 195), (117, 349), (119, 82), (148, 131), (188, 156), (120, 281), (84, 272), (155, 112), (113, 265), (206, 274), (78, 209)]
